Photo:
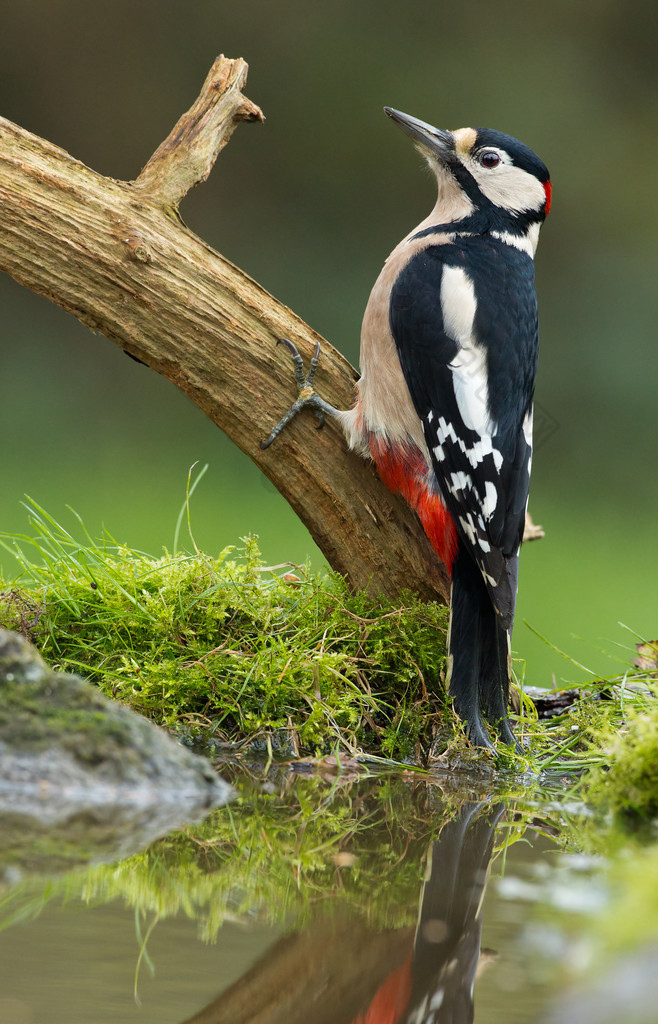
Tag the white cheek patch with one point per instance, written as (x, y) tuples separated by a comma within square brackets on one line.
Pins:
[(510, 187), (533, 236)]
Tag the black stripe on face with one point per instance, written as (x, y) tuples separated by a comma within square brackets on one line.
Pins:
[(468, 184)]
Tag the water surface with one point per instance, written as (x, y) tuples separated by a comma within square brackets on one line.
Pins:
[(316, 897)]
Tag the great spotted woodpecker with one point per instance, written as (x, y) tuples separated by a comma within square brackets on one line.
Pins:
[(445, 397)]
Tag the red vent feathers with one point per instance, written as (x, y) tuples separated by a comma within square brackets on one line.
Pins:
[(404, 471)]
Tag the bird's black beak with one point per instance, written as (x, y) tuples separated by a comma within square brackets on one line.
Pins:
[(436, 141)]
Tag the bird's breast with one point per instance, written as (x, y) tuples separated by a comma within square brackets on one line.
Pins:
[(386, 405)]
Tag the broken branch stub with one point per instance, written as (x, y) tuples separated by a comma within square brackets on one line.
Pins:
[(114, 255), (187, 155)]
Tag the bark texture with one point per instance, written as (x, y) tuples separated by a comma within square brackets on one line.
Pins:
[(116, 255)]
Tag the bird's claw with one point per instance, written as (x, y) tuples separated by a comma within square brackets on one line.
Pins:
[(307, 395)]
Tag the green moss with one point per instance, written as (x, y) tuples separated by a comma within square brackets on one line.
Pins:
[(227, 647), (627, 783)]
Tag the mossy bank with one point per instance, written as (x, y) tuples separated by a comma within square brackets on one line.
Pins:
[(228, 650), (225, 647)]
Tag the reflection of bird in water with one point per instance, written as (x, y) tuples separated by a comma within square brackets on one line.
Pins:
[(331, 972), (435, 984)]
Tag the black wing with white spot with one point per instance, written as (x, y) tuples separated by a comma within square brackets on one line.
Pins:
[(464, 319)]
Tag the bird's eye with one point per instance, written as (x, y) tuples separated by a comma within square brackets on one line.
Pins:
[(489, 158)]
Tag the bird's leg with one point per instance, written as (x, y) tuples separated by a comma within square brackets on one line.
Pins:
[(308, 398)]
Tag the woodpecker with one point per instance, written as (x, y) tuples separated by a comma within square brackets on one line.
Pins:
[(445, 398)]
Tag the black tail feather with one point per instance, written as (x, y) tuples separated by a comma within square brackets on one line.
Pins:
[(479, 655), (467, 606)]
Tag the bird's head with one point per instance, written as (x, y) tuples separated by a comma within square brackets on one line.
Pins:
[(484, 175)]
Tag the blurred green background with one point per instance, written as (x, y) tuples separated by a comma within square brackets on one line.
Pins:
[(310, 204)]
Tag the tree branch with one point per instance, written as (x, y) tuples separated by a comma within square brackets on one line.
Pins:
[(116, 256)]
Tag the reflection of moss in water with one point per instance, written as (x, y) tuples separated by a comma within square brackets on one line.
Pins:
[(630, 919), (311, 847), (287, 856), (302, 847), (229, 645), (596, 918)]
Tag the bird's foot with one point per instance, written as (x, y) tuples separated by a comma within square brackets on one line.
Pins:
[(504, 730), (308, 397), (477, 733), (478, 736)]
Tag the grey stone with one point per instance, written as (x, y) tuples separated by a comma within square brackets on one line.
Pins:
[(69, 754)]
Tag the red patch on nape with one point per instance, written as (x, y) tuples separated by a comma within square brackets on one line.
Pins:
[(549, 197), (404, 471)]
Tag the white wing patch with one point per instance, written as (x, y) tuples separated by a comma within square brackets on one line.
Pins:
[(482, 448), (469, 367), (467, 526), (527, 426), (527, 433), (459, 482), (458, 304), (468, 463), (445, 431)]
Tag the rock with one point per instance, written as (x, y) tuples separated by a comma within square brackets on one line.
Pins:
[(64, 744)]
